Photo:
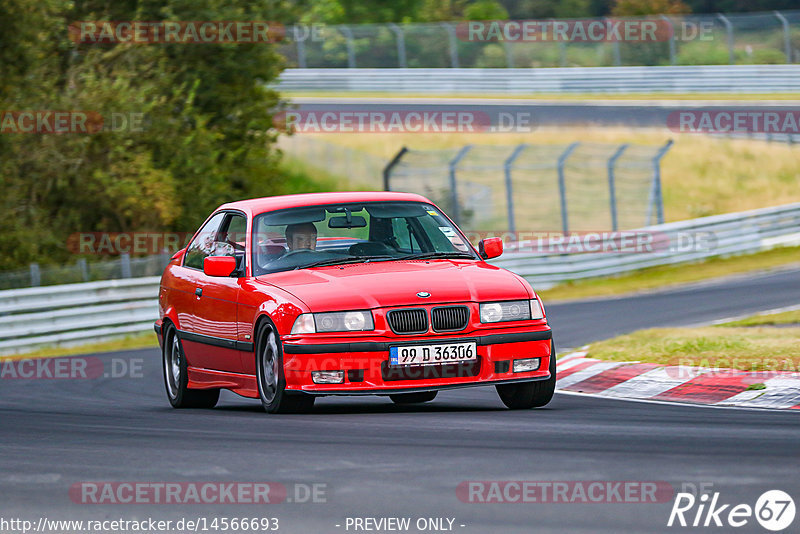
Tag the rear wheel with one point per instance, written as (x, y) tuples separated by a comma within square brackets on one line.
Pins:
[(413, 398), (176, 377), (530, 394), (270, 376)]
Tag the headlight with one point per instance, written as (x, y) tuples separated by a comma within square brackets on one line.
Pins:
[(350, 321), (512, 310)]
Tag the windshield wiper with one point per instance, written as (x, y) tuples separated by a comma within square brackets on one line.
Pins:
[(339, 261), (431, 255)]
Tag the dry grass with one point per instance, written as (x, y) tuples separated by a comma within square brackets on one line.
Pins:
[(701, 175), (788, 317), (744, 348)]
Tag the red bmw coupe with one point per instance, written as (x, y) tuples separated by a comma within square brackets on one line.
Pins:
[(288, 298)]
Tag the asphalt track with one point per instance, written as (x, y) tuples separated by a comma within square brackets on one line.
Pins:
[(380, 460), (540, 113)]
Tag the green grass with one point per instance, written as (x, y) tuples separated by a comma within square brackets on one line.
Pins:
[(744, 348), (788, 317), (672, 275), (138, 341)]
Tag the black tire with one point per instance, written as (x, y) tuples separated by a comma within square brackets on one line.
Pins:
[(270, 376), (413, 398), (173, 362), (530, 394)]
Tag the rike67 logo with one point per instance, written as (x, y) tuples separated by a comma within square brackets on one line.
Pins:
[(774, 510)]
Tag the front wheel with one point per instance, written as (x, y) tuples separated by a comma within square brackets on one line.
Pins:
[(270, 376), (530, 394), (413, 398), (176, 377)]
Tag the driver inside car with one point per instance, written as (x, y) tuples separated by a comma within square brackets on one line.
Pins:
[(301, 236)]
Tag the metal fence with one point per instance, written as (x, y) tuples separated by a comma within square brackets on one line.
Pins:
[(710, 39), (84, 271), (575, 187), (756, 79)]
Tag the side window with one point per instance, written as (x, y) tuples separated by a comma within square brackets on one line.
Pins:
[(203, 244), (404, 235), (231, 236), (231, 239)]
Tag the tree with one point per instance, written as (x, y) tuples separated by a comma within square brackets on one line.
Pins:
[(207, 135), (485, 10)]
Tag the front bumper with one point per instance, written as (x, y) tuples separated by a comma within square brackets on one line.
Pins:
[(367, 371)]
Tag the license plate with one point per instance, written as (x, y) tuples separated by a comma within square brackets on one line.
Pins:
[(433, 354)]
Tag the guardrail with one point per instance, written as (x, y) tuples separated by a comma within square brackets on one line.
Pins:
[(755, 79), (720, 235), (73, 314)]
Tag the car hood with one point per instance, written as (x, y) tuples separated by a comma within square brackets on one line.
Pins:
[(396, 283)]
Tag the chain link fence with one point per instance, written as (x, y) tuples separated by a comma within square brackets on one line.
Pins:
[(575, 187), (361, 169), (712, 39)]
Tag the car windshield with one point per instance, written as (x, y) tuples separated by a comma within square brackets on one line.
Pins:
[(331, 234)]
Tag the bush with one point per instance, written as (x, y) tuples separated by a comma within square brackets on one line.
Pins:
[(492, 56)]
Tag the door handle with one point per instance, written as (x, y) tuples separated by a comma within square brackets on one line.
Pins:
[(199, 291)]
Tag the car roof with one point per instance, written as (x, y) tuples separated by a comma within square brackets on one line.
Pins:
[(260, 205)]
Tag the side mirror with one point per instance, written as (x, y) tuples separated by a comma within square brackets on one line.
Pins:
[(491, 247), (219, 265)]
